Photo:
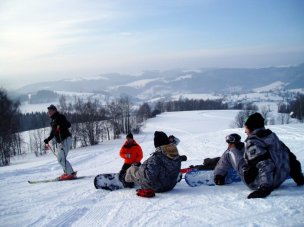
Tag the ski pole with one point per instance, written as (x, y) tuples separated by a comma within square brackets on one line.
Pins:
[(49, 146)]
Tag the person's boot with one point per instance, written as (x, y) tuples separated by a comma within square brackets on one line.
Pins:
[(298, 178), (210, 163), (121, 177), (295, 170), (66, 176)]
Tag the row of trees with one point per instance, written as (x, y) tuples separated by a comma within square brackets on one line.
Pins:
[(145, 111), (9, 138), (296, 107), (247, 110), (191, 104), (94, 122)]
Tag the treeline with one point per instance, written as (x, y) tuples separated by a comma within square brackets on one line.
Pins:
[(93, 121), (190, 104), (295, 108), (9, 125), (146, 111), (117, 112)]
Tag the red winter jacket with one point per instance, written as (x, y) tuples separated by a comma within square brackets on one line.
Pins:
[(131, 153)]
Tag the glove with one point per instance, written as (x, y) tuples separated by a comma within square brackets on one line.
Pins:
[(183, 158), (128, 155), (219, 180), (145, 193), (260, 193), (46, 141)]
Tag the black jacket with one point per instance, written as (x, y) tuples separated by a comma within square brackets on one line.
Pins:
[(59, 127)]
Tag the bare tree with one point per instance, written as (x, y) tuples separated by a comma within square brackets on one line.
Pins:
[(125, 105), (90, 128), (265, 112), (271, 121), (36, 141), (106, 125), (297, 107), (63, 106), (144, 112), (114, 113), (284, 118), (241, 118)]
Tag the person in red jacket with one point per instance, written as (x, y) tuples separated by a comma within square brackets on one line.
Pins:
[(132, 154)]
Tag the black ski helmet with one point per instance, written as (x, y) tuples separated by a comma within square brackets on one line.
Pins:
[(233, 138)]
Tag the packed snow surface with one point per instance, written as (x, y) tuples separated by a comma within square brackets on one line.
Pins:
[(78, 203)]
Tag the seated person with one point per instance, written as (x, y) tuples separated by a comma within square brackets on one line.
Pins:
[(160, 171), (131, 153), (232, 158)]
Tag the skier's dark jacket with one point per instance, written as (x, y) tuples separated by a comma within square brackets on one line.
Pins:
[(267, 158), (161, 170), (59, 127)]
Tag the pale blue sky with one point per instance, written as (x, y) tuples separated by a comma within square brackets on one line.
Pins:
[(51, 39)]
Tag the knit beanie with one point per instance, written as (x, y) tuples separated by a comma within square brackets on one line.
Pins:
[(255, 121), (130, 135), (160, 139), (52, 107)]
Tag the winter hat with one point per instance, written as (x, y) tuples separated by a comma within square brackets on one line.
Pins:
[(255, 121), (52, 107), (160, 139), (233, 138), (130, 135)]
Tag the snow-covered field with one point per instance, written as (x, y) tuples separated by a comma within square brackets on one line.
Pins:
[(78, 203)]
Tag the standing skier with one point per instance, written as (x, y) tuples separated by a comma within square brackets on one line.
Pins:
[(132, 153), (60, 130)]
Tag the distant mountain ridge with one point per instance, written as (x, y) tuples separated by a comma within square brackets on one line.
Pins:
[(159, 83)]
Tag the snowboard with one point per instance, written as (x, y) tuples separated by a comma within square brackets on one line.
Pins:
[(205, 177), (108, 181)]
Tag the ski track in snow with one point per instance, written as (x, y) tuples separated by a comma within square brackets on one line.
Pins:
[(78, 203)]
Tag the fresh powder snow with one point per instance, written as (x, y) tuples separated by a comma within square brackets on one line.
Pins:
[(202, 135)]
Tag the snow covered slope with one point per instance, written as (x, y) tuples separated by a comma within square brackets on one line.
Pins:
[(78, 203)]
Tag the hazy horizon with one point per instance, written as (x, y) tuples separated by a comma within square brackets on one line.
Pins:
[(51, 40)]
